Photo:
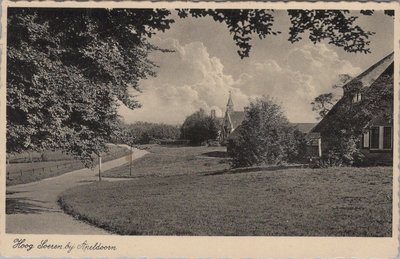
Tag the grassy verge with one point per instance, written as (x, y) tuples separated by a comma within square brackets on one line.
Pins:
[(168, 161), (275, 202), (20, 172)]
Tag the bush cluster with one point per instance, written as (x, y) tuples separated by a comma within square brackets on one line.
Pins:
[(200, 128), (265, 137)]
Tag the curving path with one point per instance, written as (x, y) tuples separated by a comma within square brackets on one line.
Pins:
[(32, 208)]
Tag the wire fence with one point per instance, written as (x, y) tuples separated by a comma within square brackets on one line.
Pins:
[(31, 171)]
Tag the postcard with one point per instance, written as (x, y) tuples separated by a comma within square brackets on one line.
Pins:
[(199, 129)]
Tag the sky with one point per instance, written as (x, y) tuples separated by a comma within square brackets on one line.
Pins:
[(205, 67)]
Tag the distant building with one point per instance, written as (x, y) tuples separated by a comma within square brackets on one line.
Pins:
[(233, 119), (376, 142)]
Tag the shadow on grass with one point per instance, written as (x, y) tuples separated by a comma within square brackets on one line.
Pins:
[(251, 169), (220, 154), (24, 206)]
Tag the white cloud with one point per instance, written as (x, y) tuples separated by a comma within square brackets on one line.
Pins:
[(190, 78), (187, 80)]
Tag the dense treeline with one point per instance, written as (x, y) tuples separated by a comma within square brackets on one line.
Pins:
[(147, 132)]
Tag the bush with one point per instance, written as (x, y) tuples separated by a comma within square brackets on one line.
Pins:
[(265, 137), (199, 128)]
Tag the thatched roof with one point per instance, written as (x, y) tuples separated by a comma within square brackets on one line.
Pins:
[(367, 78)]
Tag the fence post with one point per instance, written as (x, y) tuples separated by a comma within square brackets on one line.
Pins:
[(130, 163), (99, 168)]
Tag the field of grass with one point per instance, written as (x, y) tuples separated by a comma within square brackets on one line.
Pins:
[(167, 161), (56, 164), (210, 201)]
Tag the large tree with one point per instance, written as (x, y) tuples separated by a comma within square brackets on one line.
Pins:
[(68, 69)]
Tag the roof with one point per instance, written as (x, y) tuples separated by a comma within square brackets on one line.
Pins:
[(237, 118), (367, 78), (304, 127)]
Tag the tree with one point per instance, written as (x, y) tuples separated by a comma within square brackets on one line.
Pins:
[(265, 136), (68, 69), (199, 127), (67, 72), (323, 103)]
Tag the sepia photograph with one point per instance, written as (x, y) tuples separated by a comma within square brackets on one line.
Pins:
[(227, 122)]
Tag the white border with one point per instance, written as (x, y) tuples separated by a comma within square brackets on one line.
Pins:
[(217, 247)]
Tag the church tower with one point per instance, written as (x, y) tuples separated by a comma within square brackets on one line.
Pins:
[(229, 105)]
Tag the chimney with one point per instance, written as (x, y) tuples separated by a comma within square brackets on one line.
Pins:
[(212, 114)]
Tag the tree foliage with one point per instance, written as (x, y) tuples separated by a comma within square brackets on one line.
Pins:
[(199, 127), (323, 103), (67, 72), (265, 136)]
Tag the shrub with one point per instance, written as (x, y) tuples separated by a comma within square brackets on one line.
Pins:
[(199, 128), (265, 136)]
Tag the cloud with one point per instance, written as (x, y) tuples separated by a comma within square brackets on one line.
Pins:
[(302, 75), (190, 78)]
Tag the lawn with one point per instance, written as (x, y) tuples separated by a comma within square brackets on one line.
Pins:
[(56, 164), (268, 202), (167, 161)]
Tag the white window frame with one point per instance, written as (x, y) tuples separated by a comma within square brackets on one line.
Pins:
[(380, 132), (356, 97)]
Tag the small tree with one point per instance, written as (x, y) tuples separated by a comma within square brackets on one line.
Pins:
[(323, 103), (265, 136), (199, 127)]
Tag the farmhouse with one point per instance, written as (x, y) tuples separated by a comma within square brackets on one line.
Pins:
[(376, 138)]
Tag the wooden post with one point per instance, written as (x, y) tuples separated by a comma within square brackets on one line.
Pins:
[(130, 163), (99, 168)]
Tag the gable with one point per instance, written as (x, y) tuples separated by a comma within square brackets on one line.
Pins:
[(304, 127), (237, 118)]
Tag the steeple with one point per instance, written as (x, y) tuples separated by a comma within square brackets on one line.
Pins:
[(229, 105)]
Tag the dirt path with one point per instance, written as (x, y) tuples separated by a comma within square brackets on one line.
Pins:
[(32, 208)]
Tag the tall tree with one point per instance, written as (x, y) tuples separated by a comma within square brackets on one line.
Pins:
[(67, 72)]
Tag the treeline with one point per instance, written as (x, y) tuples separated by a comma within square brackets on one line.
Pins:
[(146, 133)]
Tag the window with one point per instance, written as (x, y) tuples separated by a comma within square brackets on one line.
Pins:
[(380, 138), (365, 140), (387, 137), (357, 97), (374, 137)]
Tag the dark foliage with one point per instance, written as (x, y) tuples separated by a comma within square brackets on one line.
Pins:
[(199, 127), (264, 138)]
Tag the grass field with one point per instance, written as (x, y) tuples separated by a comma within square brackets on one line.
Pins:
[(56, 164), (270, 202), (167, 161)]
